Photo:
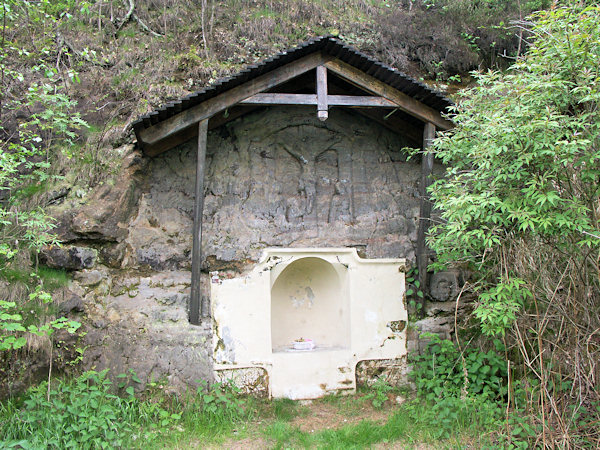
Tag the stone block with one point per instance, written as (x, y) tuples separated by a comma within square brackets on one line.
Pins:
[(73, 303), (443, 286), (69, 257), (89, 277)]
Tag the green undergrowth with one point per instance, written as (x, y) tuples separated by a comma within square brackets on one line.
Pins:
[(460, 400), (51, 279), (467, 422), (91, 411), (82, 413)]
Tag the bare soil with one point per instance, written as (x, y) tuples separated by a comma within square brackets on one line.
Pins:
[(325, 416)]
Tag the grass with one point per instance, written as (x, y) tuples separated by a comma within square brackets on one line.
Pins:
[(23, 282), (401, 427), (285, 409), (53, 278), (273, 424), (216, 417)]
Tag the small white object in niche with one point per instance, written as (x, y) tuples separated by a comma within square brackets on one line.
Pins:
[(303, 344)]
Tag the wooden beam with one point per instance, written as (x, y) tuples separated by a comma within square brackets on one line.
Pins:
[(174, 140), (204, 110), (394, 124), (425, 207), (360, 101), (281, 99), (404, 102), (311, 99), (322, 108), (196, 294), (191, 132), (229, 115)]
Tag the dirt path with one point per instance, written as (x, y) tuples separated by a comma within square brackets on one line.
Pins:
[(315, 416), (325, 416)]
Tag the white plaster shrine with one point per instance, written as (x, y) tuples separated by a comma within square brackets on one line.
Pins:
[(351, 308)]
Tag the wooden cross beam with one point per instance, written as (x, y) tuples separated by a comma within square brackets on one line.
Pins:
[(312, 99), (175, 129), (151, 136)]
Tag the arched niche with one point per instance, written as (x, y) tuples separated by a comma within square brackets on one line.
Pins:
[(309, 299)]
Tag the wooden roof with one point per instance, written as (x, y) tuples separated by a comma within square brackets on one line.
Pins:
[(175, 122)]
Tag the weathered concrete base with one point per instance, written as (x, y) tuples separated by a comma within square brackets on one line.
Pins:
[(392, 371), (250, 380), (352, 308)]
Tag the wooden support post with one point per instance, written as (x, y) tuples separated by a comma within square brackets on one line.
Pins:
[(425, 209), (196, 295), (322, 107)]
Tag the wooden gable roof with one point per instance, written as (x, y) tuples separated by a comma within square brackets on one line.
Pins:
[(175, 122)]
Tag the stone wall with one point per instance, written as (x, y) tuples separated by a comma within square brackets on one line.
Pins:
[(284, 179), (275, 178)]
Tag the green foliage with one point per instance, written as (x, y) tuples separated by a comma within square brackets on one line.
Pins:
[(500, 305), (379, 393), (37, 119), (92, 412), (414, 291), (458, 390), (452, 413), (519, 208), (126, 381), (442, 371), (10, 322), (13, 330), (49, 123), (523, 162), (221, 404), (83, 414), (523, 431)]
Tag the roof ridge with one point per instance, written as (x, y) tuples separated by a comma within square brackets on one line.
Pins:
[(354, 57)]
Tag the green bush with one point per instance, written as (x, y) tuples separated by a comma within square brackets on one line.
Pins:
[(523, 163), (442, 371), (518, 209), (458, 390), (83, 413), (453, 414), (38, 124)]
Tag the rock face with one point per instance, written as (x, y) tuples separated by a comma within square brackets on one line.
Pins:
[(285, 179), (275, 178), (141, 324)]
